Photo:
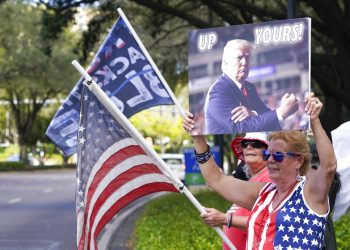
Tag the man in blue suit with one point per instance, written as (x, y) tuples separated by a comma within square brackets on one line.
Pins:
[(233, 106)]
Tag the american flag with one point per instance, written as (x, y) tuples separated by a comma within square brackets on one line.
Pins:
[(113, 170)]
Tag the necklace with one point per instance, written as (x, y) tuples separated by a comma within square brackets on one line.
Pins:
[(267, 214)]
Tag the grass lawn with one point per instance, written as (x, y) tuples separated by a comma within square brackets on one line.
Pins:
[(172, 222)]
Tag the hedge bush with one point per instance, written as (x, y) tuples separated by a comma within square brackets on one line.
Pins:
[(20, 166), (172, 222), (342, 232), (12, 166)]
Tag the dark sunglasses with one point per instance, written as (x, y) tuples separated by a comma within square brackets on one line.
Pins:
[(253, 143), (277, 156)]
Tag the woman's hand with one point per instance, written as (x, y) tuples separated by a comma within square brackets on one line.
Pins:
[(313, 106), (213, 217), (188, 122)]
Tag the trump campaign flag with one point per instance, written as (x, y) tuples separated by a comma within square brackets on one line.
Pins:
[(124, 70)]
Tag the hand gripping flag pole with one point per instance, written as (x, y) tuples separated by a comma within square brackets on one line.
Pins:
[(120, 117)]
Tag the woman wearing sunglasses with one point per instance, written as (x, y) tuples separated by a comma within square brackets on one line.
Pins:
[(291, 212), (249, 150)]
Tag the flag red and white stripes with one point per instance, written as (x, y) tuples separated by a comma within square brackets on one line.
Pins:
[(113, 171)]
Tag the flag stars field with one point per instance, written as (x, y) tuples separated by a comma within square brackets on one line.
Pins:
[(297, 219), (291, 228), (309, 231), (287, 217), (314, 242), (296, 239), (82, 140), (285, 238), (305, 241), (81, 129), (305, 230)]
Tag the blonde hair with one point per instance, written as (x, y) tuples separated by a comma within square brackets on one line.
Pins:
[(296, 142), (231, 46)]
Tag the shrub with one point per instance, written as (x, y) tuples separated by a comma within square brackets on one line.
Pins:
[(342, 232), (19, 166), (172, 222), (11, 166)]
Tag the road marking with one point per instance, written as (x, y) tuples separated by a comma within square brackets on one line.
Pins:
[(14, 200), (48, 190)]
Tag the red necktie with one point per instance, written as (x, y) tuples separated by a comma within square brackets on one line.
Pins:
[(244, 90)]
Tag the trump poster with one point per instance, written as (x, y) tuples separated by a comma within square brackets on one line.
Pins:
[(250, 78)]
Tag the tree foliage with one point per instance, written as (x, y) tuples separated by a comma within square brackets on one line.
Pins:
[(167, 23), (163, 125), (29, 76)]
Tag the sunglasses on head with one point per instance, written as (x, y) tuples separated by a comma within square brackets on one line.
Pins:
[(253, 143), (277, 156)]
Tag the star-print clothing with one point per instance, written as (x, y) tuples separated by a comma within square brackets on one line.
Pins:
[(292, 225)]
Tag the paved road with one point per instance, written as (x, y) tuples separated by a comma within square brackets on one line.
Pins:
[(37, 210)]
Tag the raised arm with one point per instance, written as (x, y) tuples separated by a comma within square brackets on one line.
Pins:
[(317, 188), (237, 191)]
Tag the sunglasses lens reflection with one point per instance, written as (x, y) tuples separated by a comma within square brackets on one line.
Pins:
[(265, 155), (277, 156)]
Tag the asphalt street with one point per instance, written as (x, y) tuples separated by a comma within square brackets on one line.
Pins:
[(37, 210)]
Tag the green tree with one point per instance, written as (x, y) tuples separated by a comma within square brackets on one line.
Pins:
[(163, 125), (29, 76)]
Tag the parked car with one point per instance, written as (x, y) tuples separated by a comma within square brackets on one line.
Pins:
[(176, 163)]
